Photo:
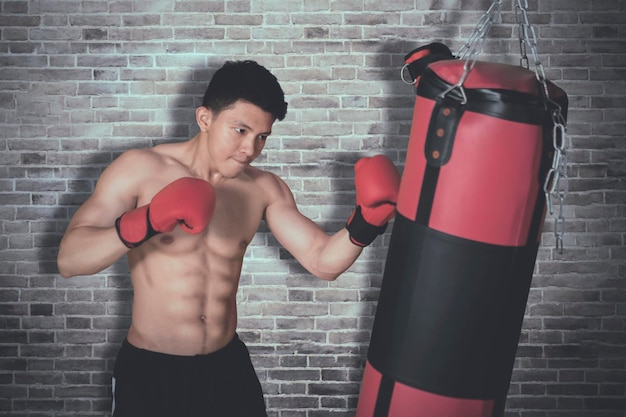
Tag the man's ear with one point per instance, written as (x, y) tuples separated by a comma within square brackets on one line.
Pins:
[(204, 116)]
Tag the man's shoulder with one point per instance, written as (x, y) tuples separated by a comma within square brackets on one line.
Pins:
[(142, 157), (142, 152), (135, 165), (272, 185), (263, 176)]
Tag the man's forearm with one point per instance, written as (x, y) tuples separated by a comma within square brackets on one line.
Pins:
[(337, 256), (87, 250)]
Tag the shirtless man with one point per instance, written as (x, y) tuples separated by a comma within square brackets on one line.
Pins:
[(184, 214)]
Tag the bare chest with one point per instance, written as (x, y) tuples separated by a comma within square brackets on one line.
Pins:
[(236, 219)]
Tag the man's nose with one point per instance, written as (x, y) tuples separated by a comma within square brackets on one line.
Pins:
[(247, 145)]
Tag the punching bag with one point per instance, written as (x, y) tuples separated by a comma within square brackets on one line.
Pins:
[(464, 242)]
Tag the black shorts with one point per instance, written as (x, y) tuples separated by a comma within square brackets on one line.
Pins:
[(151, 384)]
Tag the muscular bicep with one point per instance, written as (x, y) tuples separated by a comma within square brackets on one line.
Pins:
[(295, 232), (113, 194)]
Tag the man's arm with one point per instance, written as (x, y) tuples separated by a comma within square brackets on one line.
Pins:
[(325, 256), (109, 223), (377, 183), (90, 243), (86, 248)]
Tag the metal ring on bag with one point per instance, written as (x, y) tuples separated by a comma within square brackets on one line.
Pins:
[(402, 75)]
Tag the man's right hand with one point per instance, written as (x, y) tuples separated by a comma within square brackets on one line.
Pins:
[(188, 202), (377, 184)]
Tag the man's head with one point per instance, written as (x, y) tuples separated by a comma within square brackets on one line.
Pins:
[(248, 81)]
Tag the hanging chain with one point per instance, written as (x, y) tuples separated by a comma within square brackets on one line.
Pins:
[(528, 37), (474, 46), (556, 185)]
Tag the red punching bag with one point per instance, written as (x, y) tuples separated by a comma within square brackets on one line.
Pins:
[(465, 239)]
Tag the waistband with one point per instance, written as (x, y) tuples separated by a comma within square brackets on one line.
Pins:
[(232, 348)]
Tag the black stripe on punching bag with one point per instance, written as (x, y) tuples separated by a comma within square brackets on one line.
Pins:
[(383, 401), (429, 185), (442, 126)]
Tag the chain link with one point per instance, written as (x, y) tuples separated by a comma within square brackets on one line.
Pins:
[(474, 46), (556, 185), (528, 37)]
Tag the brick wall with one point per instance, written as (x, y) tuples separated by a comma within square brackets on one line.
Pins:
[(81, 81)]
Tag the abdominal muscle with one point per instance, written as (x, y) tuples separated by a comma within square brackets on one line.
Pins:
[(184, 294)]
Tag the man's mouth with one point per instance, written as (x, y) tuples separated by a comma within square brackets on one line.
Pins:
[(241, 161)]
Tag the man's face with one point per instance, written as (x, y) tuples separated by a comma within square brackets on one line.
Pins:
[(237, 136)]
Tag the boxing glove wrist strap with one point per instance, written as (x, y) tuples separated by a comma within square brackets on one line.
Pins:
[(361, 232), (134, 227)]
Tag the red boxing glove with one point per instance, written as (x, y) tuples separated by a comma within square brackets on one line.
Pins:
[(377, 183), (187, 201)]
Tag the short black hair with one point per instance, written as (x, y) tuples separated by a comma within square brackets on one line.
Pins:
[(248, 81)]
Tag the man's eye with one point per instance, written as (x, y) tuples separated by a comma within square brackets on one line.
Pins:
[(262, 137), (240, 130)]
